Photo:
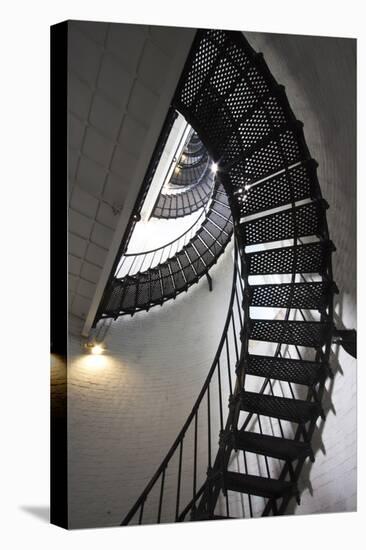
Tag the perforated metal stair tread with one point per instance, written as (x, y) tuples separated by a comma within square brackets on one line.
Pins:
[(307, 295), (300, 333), (269, 182), (284, 408), (182, 204), (301, 221), (166, 280), (289, 370), (305, 258), (259, 486), (268, 445), (294, 184)]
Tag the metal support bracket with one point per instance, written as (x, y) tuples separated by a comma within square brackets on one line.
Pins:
[(347, 339), (209, 280)]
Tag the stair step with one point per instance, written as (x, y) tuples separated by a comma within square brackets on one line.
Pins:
[(283, 408), (259, 486), (301, 221), (155, 285), (300, 333), (297, 183), (167, 280), (307, 373), (268, 445), (186, 265), (260, 144), (298, 295), (143, 289), (306, 258), (177, 274)]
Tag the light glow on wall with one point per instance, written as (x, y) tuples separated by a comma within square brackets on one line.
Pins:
[(96, 349)]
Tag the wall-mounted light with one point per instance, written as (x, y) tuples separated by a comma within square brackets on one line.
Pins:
[(94, 348), (214, 167)]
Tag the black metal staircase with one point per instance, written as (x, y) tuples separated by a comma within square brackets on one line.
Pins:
[(272, 370), (165, 280), (190, 185)]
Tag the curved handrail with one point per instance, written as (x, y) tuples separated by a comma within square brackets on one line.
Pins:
[(173, 241), (232, 153), (149, 287), (162, 248), (193, 414), (229, 158)]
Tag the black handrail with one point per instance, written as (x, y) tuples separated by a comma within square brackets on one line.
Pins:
[(202, 214), (229, 150), (193, 414)]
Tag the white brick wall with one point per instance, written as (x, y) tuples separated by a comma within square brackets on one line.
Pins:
[(126, 408)]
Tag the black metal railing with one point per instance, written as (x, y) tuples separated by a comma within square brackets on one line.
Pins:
[(150, 287), (271, 367), (172, 501), (133, 263)]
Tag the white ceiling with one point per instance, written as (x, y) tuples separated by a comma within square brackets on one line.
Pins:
[(121, 81)]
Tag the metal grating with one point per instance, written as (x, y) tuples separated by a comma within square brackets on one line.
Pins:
[(298, 295), (293, 410), (308, 258), (289, 370), (299, 333)]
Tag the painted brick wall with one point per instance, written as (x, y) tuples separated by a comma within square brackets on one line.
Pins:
[(126, 408)]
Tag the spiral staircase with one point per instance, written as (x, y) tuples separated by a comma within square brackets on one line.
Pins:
[(191, 183), (270, 369)]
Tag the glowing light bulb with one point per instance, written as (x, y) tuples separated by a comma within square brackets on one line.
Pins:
[(214, 167), (97, 349)]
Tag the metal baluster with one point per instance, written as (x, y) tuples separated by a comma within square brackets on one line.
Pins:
[(265, 457), (131, 266), (142, 263), (235, 337), (179, 480), (195, 457), (228, 364), (239, 309), (220, 396), (279, 421), (249, 496), (161, 494), (141, 511), (241, 494), (209, 425), (121, 266), (227, 505), (152, 260)]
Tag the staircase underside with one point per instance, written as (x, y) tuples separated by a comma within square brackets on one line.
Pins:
[(185, 202), (243, 117), (166, 280)]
